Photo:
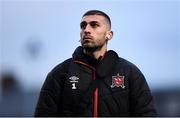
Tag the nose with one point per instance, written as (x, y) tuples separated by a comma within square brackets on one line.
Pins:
[(87, 29)]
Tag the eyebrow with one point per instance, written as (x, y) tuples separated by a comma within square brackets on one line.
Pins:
[(89, 22), (85, 23)]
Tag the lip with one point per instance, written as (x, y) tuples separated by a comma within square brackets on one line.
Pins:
[(87, 37), (86, 40)]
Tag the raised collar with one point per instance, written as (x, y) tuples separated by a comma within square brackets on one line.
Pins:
[(103, 66)]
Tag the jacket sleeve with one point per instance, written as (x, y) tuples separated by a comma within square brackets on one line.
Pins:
[(141, 99), (50, 95)]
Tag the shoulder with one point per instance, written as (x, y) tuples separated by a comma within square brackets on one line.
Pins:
[(57, 74), (123, 64), (134, 74), (129, 66), (61, 68), (126, 63)]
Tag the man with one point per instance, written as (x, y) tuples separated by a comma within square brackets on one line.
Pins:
[(95, 81)]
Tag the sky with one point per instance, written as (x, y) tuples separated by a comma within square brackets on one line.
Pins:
[(36, 35)]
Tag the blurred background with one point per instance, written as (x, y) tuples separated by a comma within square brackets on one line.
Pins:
[(36, 35)]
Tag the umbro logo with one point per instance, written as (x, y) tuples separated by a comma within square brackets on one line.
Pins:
[(74, 80)]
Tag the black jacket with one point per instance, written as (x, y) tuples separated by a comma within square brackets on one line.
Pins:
[(84, 86)]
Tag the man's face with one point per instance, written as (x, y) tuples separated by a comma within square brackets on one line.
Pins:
[(94, 32)]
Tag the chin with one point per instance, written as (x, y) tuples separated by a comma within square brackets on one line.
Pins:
[(89, 48)]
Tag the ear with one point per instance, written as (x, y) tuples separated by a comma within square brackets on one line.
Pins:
[(109, 35)]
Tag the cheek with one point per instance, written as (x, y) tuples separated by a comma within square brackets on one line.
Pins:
[(101, 33), (81, 34), (101, 36), (101, 39)]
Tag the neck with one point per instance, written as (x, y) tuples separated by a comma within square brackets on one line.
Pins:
[(97, 53)]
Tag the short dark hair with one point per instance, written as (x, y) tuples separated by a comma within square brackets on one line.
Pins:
[(98, 12)]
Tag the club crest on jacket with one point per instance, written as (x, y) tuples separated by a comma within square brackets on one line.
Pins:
[(118, 81)]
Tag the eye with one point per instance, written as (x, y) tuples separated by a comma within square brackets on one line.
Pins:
[(83, 25), (94, 24)]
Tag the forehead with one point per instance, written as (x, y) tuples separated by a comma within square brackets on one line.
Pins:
[(98, 18)]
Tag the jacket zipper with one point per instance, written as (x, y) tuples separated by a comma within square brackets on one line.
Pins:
[(95, 114), (95, 97)]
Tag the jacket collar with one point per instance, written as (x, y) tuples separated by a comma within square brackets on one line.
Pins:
[(103, 66), (78, 55)]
